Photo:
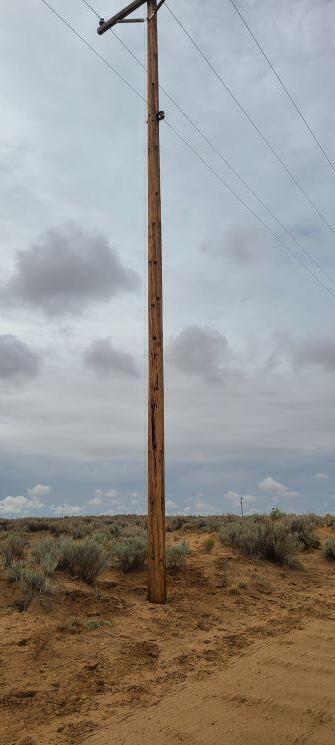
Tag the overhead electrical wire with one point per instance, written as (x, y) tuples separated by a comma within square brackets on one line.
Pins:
[(189, 146), (93, 50), (92, 9), (217, 175), (220, 155), (249, 118), (281, 82)]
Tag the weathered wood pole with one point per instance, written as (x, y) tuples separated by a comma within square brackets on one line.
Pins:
[(156, 465)]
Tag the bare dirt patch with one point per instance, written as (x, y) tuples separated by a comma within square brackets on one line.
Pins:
[(91, 664)]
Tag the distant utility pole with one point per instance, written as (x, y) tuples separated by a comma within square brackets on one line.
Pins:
[(241, 500), (156, 468)]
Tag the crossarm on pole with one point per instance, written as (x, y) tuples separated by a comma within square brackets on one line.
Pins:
[(106, 25)]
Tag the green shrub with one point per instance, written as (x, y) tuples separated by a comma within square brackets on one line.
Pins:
[(303, 527), (174, 523), (276, 513), (65, 552), (329, 549), (115, 529), (14, 572), (270, 540), (85, 560), (46, 555), (131, 554), (209, 545), (34, 581), (13, 549), (134, 531), (330, 521), (176, 556)]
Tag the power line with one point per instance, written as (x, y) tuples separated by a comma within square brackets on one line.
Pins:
[(217, 175), (220, 155), (93, 50), (92, 9), (249, 118), (190, 147), (281, 82)]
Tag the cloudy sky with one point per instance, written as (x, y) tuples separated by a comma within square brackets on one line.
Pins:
[(249, 334)]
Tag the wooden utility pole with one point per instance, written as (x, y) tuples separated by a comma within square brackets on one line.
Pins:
[(156, 466)]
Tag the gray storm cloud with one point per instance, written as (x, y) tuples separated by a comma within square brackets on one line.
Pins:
[(103, 357), (243, 246), (72, 148), (66, 270), (314, 351), (201, 352), (17, 360), (307, 351)]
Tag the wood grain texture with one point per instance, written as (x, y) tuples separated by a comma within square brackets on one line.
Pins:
[(156, 467)]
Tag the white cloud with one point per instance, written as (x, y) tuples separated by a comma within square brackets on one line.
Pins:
[(276, 488), (95, 502), (19, 505), (110, 501), (68, 510), (233, 496), (321, 476), (40, 490), (107, 494), (171, 507)]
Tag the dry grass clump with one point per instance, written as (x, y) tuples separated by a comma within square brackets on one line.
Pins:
[(176, 556), (75, 625), (14, 548), (270, 540), (263, 584), (329, 549), (131, 553), (209, 545)]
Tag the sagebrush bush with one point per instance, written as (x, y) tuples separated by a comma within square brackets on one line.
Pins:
[(134, 531), (176, 556), (330, 521), (277, 514), (329, 549), (270, 540), (85, 559), (14, 572), (131, 553), (174, 523), (14, 547), (46, 555), (32, 579), (115, 529), (303, 527)]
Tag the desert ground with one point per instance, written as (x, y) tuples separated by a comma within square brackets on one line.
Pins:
[(242, 653)]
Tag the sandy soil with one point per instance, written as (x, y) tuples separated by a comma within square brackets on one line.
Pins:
[(243, 652), (281, 692)]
